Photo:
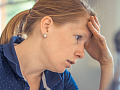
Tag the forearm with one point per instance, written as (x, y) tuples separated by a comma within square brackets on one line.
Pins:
[(106, 75)]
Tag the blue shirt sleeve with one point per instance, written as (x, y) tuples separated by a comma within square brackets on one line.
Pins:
[(69, 82)]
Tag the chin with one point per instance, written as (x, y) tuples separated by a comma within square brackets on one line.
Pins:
[(60, 70)]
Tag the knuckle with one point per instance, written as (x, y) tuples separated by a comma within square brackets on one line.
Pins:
[(103, 38)]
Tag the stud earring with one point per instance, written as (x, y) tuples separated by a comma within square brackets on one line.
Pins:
[(44, 35)]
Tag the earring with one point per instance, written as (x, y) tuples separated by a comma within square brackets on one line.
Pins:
[(44, 35)]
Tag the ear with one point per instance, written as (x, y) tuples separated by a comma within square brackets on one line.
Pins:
[(46, 23)]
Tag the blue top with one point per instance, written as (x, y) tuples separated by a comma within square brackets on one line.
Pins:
[(11, 77)]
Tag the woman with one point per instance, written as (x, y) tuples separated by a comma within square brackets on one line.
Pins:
[(57, 32)]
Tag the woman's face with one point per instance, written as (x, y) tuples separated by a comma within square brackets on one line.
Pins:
[(64, 44)]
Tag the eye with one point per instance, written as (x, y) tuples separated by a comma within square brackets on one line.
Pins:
[(78, 37)]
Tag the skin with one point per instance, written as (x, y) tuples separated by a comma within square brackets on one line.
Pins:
[(101, 53), (36, 53)]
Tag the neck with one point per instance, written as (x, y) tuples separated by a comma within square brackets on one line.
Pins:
[(30, 64)]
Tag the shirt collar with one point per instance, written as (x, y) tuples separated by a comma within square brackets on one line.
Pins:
[(52, 78), (10, 54)]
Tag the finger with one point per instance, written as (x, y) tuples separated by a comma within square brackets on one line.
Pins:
[(93, 30), (95, 24), (95, 33), (91, 27), (101, 40), (97, 21)]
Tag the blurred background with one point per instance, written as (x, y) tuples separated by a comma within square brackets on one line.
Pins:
[(86, 72)]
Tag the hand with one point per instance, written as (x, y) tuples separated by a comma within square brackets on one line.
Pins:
[(96, 46)]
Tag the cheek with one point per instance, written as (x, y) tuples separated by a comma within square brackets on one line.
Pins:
[(57, 52), (59, 48), (56, 57), (53, 49)]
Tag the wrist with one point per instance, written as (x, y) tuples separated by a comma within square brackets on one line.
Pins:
[(108, 62), (107, 66)]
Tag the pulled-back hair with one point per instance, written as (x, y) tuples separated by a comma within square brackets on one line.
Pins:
[(61, 11)]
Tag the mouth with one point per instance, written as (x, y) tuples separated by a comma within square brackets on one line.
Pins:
[(71, 62)]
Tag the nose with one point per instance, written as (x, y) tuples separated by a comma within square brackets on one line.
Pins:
[(79, 54)]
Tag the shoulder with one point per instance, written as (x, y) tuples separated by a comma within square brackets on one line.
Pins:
[(1, 63), (1, 46), (1, 50)]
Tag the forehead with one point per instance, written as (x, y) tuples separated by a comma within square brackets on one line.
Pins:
[(80, 26)]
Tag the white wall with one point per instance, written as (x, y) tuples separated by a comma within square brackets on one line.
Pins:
[(117, 15), (86, 72)]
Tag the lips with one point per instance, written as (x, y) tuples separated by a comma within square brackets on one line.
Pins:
[(71, 62)]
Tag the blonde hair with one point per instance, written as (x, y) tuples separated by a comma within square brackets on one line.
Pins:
[(61, 11)]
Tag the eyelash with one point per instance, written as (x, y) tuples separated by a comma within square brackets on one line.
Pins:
[(77, 37)]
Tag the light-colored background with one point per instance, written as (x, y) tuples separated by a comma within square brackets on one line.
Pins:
[(86, 72)]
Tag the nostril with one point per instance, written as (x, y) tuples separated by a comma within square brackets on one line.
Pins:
[(78, 56)]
